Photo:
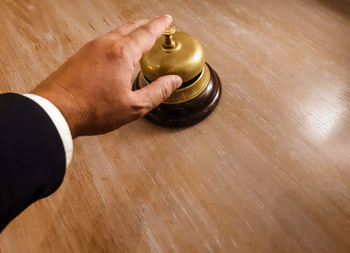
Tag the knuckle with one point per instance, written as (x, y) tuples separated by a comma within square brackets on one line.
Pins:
[(127, 28), (138, 108), (165, 91), (137, 113), (148, 29), (120, 49), (128, 51), (93, 44), (111, 37), (133, 25)]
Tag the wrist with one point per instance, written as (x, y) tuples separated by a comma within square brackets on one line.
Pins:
[(64, 102)]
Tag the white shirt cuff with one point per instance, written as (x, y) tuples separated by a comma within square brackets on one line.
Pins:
[(59, 121)]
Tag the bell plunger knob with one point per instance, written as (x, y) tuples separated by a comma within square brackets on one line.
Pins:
[(168, 37), (180, 54)]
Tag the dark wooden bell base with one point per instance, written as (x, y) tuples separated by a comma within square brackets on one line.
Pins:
[(190, 112)]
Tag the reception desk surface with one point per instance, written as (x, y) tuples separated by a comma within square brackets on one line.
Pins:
[(267, 171)]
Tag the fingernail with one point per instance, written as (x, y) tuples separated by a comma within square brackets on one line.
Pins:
[(168, 16)]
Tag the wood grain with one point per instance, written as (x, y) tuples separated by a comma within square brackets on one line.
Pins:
[(268, 171)]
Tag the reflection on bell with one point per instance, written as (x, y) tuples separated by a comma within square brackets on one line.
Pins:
[(180, 54)]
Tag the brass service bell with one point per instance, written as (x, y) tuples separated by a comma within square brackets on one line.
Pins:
[(180, 54)]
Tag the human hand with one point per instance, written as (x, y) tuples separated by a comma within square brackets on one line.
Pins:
[(93, 88)]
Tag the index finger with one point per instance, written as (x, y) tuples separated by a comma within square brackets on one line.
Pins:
[(145, 36), (130, 26)]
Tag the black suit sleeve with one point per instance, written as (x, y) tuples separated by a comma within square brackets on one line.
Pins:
[(32, 156)]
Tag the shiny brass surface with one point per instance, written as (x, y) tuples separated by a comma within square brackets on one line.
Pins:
[(169, 41), (174, 53), (187, 93)]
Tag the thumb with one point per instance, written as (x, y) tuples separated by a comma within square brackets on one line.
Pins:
[(159, 90)]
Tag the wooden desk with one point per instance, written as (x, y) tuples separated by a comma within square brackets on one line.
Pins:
[(268, 171)]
